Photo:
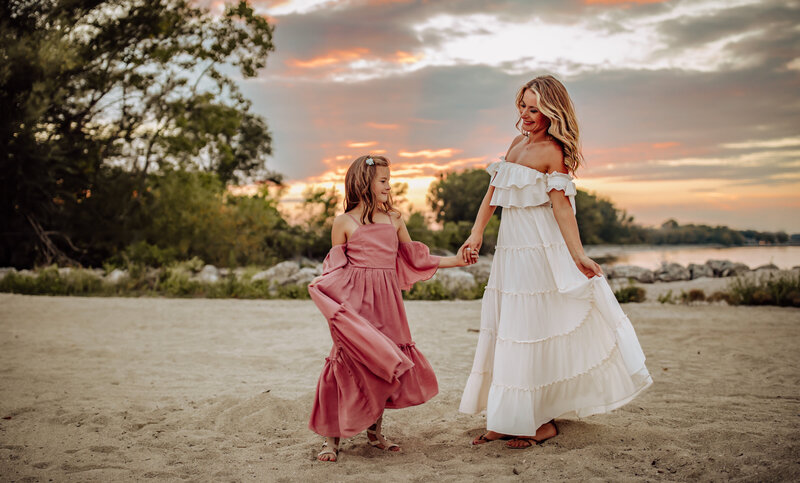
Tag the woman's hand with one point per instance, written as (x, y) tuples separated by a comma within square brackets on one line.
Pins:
[(314, 282), (466, 258), (587, 266), (471, 247)]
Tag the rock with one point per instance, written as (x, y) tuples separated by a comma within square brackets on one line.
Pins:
[(224, 272), (303, 276), (455, 280), (639, 274), (672, 272), (726, 268), (279, 273), (209, 274), (117, 276), (480, 270), (608, 270), (699, 271), (767, 268), (6, 271), (238, 272), (307, 262)]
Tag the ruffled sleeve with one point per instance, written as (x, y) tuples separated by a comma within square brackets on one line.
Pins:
[(492, 168), (415, 263), (562, 182), (335, 259)]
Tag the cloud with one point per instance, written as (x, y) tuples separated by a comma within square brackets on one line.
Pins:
[(427, 153)]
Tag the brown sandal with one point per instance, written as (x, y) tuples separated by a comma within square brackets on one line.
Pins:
[(483, 439)]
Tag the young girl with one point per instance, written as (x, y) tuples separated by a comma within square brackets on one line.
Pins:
[(373, 363), (554, 341)]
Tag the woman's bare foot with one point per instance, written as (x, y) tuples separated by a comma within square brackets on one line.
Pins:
[(488, 437), (376, 439), (330, 450)]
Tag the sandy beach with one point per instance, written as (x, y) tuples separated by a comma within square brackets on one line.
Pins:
[(121, 389)]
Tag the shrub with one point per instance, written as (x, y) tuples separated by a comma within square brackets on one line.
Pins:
[(772, 289), (630, 293), (667, 298), (693, 295)]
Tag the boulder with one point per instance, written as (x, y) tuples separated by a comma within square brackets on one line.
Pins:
[(117, 276), (608, 270), (672, 272), (735, 269), (770, 267), (480, 270), (279, 273), (455, 280), (26, 273), (639, 274), (303, 276), (209, 274), (727, 268), (699, 271)]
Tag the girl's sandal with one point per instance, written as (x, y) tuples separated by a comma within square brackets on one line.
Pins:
[(326, 451), (376, 442)]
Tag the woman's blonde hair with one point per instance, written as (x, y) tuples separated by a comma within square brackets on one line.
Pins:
[(358, 187), (555, 104)]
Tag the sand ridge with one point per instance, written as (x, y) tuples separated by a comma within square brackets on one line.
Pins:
[(115, 389)]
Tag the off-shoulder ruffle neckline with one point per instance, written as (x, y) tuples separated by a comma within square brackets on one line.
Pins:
[(538, 173)]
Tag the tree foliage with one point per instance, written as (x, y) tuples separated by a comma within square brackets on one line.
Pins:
[(96, 95), (456, 196)]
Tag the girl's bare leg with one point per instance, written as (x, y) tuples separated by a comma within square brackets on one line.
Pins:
[(376, 439)]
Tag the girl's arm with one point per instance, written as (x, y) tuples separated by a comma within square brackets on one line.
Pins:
[(457, 260), (338, 237)]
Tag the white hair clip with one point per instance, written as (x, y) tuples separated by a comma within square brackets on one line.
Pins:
[(370, 161)]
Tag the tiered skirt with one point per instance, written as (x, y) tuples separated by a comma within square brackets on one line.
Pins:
[(552, 343)]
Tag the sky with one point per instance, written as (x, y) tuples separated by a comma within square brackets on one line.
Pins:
[(688, 109)]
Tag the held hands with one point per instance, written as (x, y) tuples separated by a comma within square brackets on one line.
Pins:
[(587, 266), (466, 257), (470, 248)]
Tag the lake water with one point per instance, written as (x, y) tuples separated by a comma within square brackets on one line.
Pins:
[(651, 256)]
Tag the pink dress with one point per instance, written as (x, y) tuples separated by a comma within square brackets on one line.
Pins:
[(373, 363)]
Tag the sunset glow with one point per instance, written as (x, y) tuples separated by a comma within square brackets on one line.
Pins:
[(682, 115)]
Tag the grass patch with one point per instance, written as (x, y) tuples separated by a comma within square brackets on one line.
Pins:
[(630, 293)]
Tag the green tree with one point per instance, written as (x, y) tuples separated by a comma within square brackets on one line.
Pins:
[(91, 90), (456, 196)]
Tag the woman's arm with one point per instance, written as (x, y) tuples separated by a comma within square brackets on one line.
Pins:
[(485, 212), (562, 210)]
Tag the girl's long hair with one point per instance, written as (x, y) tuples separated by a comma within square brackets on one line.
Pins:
[(358, 187), (555, 103)]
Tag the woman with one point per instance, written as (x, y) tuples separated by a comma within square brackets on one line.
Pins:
[(554, 342)]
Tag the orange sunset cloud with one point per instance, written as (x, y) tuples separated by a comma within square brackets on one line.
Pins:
[(330, 58), (427, 153)]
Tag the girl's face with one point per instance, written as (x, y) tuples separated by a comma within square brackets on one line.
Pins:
[(380, 184), (533, 121)]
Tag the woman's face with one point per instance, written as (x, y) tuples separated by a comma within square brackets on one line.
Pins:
[(381, 185), (533, 121)]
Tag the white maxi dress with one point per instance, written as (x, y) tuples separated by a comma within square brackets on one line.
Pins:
[(553, 343)]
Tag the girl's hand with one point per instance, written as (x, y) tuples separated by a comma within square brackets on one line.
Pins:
[(314, 282), (588, 267), (473, 243), (464, 259)]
